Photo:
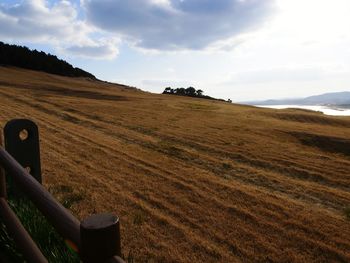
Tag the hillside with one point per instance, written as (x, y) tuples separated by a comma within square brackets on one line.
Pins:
[(335, 98), (192, 180), (23, 57)]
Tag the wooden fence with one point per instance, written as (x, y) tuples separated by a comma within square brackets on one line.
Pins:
[(96, 238)]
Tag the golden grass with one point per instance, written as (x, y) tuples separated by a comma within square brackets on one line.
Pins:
[(192, 180)]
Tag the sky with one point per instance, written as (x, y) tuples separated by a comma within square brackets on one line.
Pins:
[(238, 49)]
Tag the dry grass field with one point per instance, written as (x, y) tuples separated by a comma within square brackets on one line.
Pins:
[(192, 180)]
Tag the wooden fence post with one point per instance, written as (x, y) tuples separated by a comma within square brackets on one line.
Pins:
[(14, 227), (100, 238), (21, 138), (2, 177)]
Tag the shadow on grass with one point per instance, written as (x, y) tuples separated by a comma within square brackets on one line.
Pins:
[(347, 212)]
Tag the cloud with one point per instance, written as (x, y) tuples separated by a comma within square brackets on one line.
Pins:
[(177, 24), (149, 25), (98, 50), (57, 24), (33, 20)]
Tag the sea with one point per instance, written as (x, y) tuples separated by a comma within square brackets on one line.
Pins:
[(328, 110)]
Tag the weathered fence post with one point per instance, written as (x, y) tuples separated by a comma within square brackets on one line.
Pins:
[(100, 238), (2, 177), (14, 227), (21, 138)]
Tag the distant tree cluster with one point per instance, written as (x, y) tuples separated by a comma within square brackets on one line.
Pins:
[(191, 92), (19, 56)]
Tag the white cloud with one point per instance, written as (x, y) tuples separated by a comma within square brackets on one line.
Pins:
[(58, 24), (176, 24), (102, 51)]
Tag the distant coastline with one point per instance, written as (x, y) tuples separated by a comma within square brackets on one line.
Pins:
[(338, 99), (332, 110)]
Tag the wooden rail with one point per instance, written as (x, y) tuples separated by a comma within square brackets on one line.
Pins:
[(96, 238)]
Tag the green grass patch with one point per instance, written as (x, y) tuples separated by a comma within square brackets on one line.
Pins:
[(45, 236)]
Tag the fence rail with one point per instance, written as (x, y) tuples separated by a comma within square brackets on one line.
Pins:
[(96, 238)]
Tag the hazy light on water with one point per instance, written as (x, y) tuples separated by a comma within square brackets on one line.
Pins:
[(333, 111)]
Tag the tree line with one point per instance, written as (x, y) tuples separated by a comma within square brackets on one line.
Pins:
[(190, 92), (23, 57)]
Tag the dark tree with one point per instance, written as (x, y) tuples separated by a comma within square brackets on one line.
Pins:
[(167, 90), (23, 57), (199, 93), (180, 91), (190, 91)]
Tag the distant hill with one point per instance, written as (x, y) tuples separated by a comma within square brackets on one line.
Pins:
[(23, 57), (335, 98)]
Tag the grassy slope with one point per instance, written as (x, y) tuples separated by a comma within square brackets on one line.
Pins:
[(191, 179)]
